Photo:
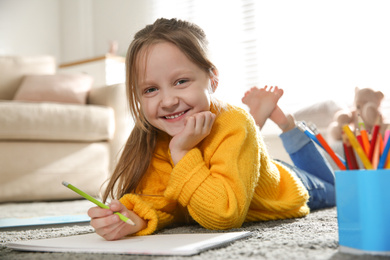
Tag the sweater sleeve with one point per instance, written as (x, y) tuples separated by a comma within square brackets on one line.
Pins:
[(216, 180), (149, 203), (156, 218)]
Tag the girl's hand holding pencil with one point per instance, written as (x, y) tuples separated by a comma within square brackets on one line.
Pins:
[(108, 225), (111, 222)]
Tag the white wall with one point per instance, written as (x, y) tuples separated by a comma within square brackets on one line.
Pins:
[(88, 26), (118, 20), (29, 27), (70, 30), (76, 30)]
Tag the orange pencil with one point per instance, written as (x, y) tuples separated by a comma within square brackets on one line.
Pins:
[(377, 152), (327, 148), (364, 134), (374, 136), (384, 157)]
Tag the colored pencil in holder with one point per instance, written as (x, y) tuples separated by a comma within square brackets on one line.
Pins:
[(383, 159), (358, 148), (364, 134), (374, 136), (349, 154), (340, 163)]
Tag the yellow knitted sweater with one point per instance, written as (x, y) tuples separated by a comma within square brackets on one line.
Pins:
[(227, 179)]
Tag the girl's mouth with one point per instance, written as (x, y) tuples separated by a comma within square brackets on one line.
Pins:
[(173, 116)]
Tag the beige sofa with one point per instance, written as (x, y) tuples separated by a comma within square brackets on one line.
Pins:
[(44, 143)]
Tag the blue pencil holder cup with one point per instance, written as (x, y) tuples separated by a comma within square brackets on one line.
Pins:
[(363, 211)]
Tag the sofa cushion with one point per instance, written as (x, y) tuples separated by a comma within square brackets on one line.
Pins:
[(13, 68), (55, 121), (63, 88)]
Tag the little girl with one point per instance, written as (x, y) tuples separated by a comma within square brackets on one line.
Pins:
[(191, 158)]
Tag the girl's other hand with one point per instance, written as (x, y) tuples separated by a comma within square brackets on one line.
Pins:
[(196, 129), (109, 226)]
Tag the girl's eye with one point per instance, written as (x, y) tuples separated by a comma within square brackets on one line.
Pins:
[(150, 90), (180, 82)]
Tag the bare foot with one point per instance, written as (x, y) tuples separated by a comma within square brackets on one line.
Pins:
[(262, 102)]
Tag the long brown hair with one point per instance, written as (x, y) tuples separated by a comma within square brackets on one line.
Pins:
[(139, 148)]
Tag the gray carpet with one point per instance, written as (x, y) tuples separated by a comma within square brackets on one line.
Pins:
[(312, 237)]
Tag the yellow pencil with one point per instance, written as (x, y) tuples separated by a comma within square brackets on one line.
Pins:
[(98, 203), (359, 150)]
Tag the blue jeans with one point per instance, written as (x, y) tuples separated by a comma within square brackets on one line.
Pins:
[(311, 167)]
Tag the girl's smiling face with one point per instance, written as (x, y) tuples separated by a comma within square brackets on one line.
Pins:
[(172, 87)]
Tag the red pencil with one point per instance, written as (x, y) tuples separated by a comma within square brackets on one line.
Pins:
[(349, 153), (359, 137), (374, 136)]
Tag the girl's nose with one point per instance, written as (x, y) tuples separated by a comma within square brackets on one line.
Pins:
[(169, 99)]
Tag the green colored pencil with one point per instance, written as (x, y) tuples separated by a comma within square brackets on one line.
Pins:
[(98, 203)]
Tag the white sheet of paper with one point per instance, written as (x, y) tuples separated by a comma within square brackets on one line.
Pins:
[(169, 244)]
